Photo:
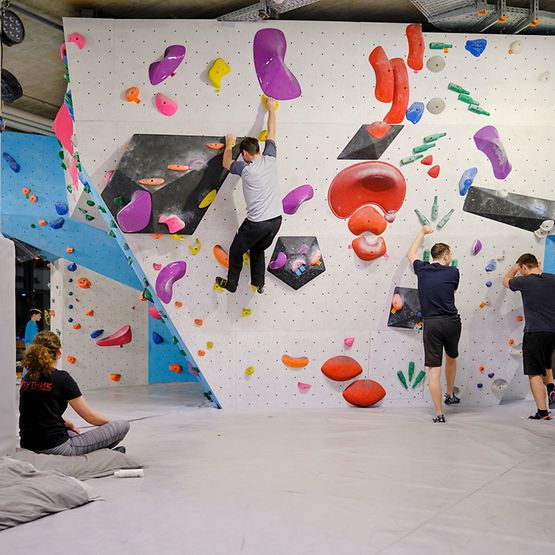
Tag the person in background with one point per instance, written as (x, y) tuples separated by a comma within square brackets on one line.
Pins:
[(538, 344), (260, 188), (32, 328), (44, 395), (437, 283)]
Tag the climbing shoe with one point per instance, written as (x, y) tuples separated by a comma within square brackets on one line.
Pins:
[(224, 284), (438, 418), (539, 416), (451, 399)]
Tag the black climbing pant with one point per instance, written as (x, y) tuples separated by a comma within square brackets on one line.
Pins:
[(254, 237)]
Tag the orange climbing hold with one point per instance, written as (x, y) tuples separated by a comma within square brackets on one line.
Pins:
[(384, 74), (221, 256), (378, 129), (341, 368), (367, 250), (152, 181), (76, 326), (71, 360), (201, 353), (83, 283), (69, 250), (198, 322), (42, 223), (175, 368), (294, 362), (178, 167), (215, 146), (33, 198), (364, 393), (433, 171), (511, 342), (156, 235), (520, 318), (400, 102), (25, 190), (89, 313), (178, 304), (415, 59), (482, 368), (115, 377), (367, 219)]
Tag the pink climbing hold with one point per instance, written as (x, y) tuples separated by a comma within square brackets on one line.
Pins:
[(433, 171), (349, 341), (156, 266), (136, 215), (164, 68), (63, 127), (63, 50), (153, 311), (166, 105), (292, 200), (77, 39), (174, 223), (108, 176), (168, 275), (120, 337), (378, 129), (303, 386)]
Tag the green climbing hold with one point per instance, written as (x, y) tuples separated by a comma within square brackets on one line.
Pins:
[(82, 210), (478, 110), (113, 224), (87, 190), (433, 138), (411, 370), (175, 340), (468, 99), (90, 202), (63, 166), (421, 217), (435, 209), (111, 234), (101, 209), (208, 395), (426, 256), (445, 218), (125, 247), (410, 159), (423, 148), (129, 261), (183, 352), (69, 189), (58, 332), (89, 218), (147, 295), (440, 46), (61, 154), (419, 378), (33, 226), (455, 263), (119, 201), (402, 379), (457, 88)]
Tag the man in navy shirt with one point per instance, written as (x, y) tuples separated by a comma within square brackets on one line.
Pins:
[(538, 298), (437, 283)]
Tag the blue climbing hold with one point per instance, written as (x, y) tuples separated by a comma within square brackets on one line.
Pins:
[(476, 47), (57, 223), (479, 385), (466, 180), (489, 283), (70, 280), (70, 306), (70, 320), (70, 293), (61, 208), (492, 265), (11, 162), (96, 333), (415, 112), (157, 338), (72, 267)]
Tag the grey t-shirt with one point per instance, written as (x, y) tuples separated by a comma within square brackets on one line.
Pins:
[(260, 185), (538, 300)]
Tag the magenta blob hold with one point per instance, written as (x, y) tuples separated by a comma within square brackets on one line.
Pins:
[(292, 200), (173, 56), (275, 79), (489, 142), (168, 275), (136, 215), (279, 262)]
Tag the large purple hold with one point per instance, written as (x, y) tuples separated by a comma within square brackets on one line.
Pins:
[(173, 56), (488, 141), (279, 262), (167, 276), (275, 79), (136, 215), (292, 200)]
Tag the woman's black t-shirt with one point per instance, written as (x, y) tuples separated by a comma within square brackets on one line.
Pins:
[(41, 405)]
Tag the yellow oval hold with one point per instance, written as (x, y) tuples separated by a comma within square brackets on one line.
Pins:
[(208, 199), (249, 371), (265, 98), (209, 344), (263, 135)]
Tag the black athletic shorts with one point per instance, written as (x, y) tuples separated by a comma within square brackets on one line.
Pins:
[(441, 332), (537, 350)]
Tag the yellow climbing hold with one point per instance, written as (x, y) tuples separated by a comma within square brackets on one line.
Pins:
[(195, 249), (218, 70), (246, 259), (254, 288), (216, 287), (209, 344), (263, 135), (249, 371), (264, 100), (177, 237), (246, 312), (208, 199)]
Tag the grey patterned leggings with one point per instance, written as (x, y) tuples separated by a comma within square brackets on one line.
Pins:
[(101, 437)]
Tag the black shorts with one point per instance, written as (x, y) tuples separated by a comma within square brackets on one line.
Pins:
[(441, 332), (537, 350)]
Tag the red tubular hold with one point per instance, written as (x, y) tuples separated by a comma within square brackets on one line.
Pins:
[(384, 74), (415, 59), (400, 102)]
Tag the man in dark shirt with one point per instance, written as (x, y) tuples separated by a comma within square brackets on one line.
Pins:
[(437, 283), (538, 344)]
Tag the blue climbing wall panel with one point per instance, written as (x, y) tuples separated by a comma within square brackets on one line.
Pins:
[(549, 257)]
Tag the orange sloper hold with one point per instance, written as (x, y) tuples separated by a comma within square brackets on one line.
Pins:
[(71, 360), (115, 377), (367, 250), (378, 129), (372, 182), (42, 223), (175, 368), (341, 368), (89, 313), (83, 283), (368, 219), (415, 59), (76, 326), (178, 304), (384, 74), (201, 353), (294, 362), (400, 102), (364, 393), (152, 181), (221, 256), (198, 322), (215, 146)]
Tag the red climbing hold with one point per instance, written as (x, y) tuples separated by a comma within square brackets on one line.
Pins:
[(120, 337), (400, 101), (378, 129), (427, 160), (433, 171), (367, 219), (369, 250), (341, 368), (364, 393), (415, 59), (384, 74)]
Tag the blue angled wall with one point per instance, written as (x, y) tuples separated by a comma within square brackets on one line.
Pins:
[(549, 256)]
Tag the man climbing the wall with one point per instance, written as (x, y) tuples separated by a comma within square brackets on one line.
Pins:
[(260, 188), (538, 345), (437, 283)]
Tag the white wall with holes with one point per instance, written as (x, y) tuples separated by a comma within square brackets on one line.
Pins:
[(352, 298), (114, 305)]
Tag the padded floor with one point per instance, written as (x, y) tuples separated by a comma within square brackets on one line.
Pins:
[(382, 480)]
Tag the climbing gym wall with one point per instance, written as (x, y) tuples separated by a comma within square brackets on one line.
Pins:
[(466, 142)]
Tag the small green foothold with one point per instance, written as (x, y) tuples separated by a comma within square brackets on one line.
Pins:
[(102, 209), (426, 256), (440, 46), (61, 154), (63, 166), (69, 189), (89, 218), (90, 202), (435, 209), (87, 190), (445, 218), (82, 210), (423, 148), (410, 159), (457, 88), (468, 99), (478, 110), (129, 261), (113, 224), (147, 295), (208, 395), (183, 352), (33, 226), (419, 378), (421, 217), (118, 201), (175, 340), (455, 263), (111, 234), (433, 138), (58, 332), (402, 379), (411, 370), (125, 247)]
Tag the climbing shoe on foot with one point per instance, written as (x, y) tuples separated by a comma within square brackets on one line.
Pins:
[(451, 399), (224, 284), (539, 416), (438, 418)]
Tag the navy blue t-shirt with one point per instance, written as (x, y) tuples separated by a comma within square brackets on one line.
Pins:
[(538, 300), (436, 288)]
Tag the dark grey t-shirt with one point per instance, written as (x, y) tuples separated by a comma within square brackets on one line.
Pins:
[(260, 185), (538, 300), (436, 288)]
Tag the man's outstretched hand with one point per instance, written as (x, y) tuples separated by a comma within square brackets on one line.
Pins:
[(271, 104), (230, 141)]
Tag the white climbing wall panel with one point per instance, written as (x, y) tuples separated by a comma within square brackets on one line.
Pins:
[(114, 305), (352, 298)]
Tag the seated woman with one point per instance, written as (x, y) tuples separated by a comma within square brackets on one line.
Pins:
[(44, 395)]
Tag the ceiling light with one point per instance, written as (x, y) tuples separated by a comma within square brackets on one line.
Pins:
[(13, 31)]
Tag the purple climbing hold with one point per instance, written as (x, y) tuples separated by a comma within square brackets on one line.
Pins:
[(173, 56), (491, 374), (57, 223), (279, 261), (275, 79), (136, 215), (61, 208), (167, 276), (488, 141), (296, 197), (476, 247), (491, 266)]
